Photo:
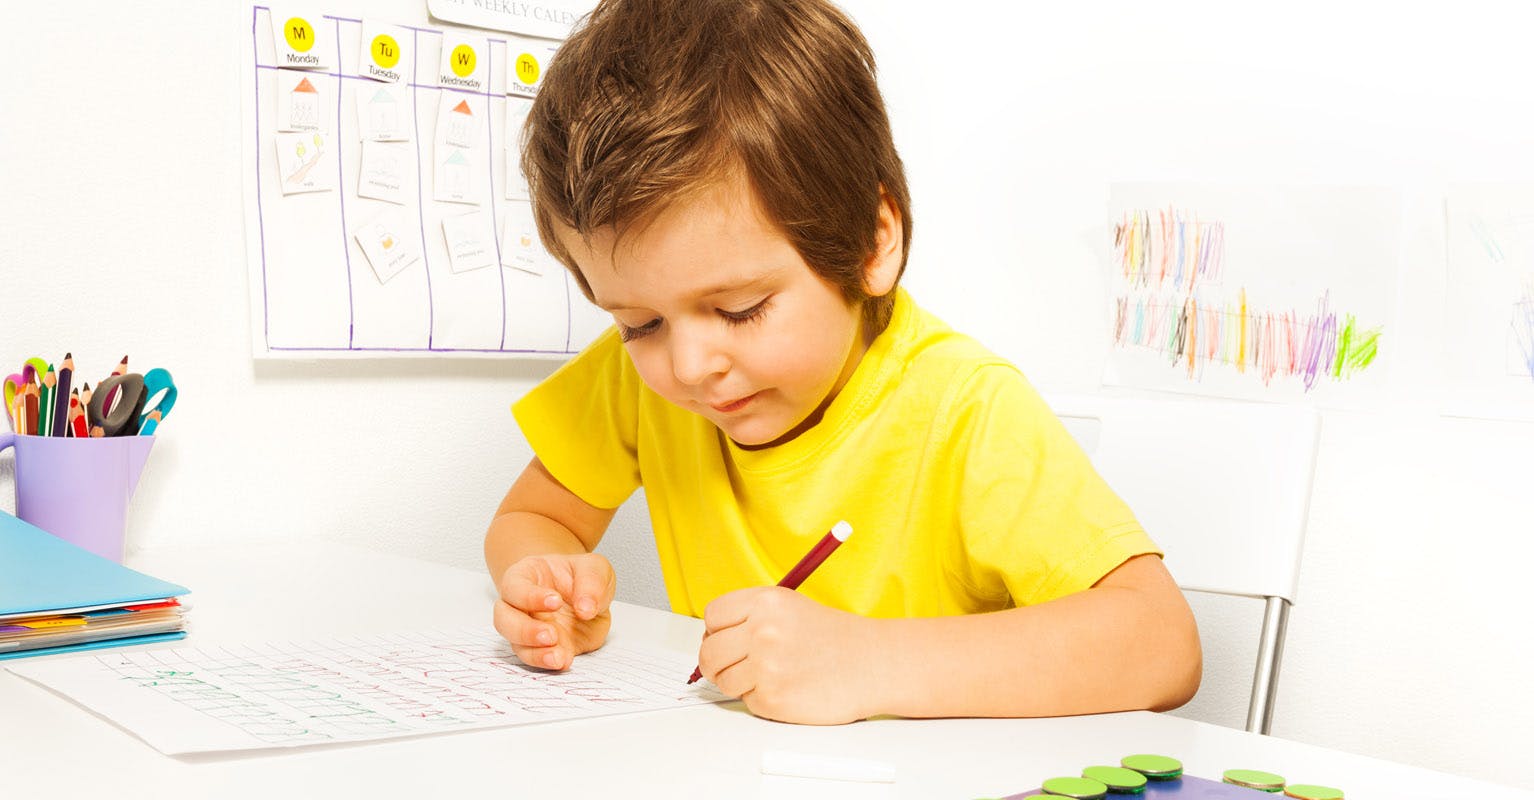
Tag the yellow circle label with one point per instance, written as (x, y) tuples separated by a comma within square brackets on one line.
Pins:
[(462, 60), (385, 51), (299, 34), (527, 68)]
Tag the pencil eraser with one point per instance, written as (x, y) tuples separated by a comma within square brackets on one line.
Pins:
[(826, 768), (841, 530)]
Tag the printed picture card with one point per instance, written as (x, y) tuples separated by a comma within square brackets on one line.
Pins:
[(387, 243), (462, 62), (385, 54), (520, 247), (382, 172), (381, 114), (300, 104), (303, 38), (305, 162)]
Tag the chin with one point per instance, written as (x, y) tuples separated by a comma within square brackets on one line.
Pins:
[(750, 435)]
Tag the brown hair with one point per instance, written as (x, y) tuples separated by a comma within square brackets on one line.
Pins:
[(650, 100)]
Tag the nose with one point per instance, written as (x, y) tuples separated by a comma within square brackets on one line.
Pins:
[(696, 356)]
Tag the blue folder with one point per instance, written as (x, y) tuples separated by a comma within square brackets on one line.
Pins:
[(41, 573)]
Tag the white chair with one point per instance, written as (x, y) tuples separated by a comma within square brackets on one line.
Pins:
[(1223, 487)]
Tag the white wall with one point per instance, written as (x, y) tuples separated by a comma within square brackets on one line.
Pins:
[(121, 231)]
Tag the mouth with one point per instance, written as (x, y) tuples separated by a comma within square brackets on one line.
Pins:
[(734, 405)]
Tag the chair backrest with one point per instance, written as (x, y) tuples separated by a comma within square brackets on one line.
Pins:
[(1222, 486)]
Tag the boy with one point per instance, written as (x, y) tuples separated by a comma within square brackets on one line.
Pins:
[(720, 176)]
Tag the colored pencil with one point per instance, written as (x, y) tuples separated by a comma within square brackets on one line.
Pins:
[(122, 369), (18, 412), (45, 403), (32, 394), (77, 427), (85, 404), (61, 396), (814, 558)]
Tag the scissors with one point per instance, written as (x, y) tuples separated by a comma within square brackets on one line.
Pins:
[(132, 414), (16, 382)]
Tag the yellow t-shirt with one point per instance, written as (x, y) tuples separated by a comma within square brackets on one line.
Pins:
[(965, 493)]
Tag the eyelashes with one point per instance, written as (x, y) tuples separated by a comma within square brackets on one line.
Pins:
[(751, 314), (628, 334), (731, 318)]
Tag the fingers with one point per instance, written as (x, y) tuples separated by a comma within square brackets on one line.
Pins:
[(722, 659), (536, 641), (526, 586), (592, 585), (553, 608), (731, 609)]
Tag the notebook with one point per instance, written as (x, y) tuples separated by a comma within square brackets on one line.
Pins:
[(57, 597)]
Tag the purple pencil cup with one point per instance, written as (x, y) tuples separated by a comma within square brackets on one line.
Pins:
[(78, 489)]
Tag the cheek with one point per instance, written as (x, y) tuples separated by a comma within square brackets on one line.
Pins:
[(812, 350), (653, 368)]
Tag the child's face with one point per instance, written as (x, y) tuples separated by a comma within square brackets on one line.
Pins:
[(722, 317)]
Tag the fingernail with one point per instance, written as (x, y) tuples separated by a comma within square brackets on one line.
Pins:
[(587, 607), (551, 602), (551, 660), (545, 636)]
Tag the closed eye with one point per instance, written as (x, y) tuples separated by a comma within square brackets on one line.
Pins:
[(748, 315), (628, 334)]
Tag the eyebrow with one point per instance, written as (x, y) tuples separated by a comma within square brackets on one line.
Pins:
[(717, 289)]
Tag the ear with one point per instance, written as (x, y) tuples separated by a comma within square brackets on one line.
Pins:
[(883, 268)]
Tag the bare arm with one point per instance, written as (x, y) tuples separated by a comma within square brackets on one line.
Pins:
[(539, 516), (554, 592), (1129, 642)]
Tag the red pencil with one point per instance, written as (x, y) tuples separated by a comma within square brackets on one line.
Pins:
[(77, 427), (818, 554)]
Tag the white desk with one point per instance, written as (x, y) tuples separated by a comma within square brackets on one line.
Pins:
[(50, 747)]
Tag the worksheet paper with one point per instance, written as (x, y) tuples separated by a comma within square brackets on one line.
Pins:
[(292, 694)]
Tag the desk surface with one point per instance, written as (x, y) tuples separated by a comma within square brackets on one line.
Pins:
[(51, 747)]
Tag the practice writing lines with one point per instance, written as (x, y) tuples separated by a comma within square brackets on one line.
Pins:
[(190, 699)]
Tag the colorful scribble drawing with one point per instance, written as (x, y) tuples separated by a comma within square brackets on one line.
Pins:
[(1178, 252), (1521, 315), (1172, 265), (1522, 324)]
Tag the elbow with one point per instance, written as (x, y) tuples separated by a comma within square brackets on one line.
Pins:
[(1182, 663)]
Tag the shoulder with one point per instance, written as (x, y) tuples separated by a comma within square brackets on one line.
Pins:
[(965, 372)]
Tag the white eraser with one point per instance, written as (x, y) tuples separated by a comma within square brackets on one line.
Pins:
[(828, 768), (841, 530)]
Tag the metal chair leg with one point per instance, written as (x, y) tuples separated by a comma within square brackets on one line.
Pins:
[(1270, 654)]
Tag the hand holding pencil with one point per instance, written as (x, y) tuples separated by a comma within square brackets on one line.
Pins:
[(787, 656)]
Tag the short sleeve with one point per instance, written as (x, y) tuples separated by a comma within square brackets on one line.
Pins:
[(582, 423), (1037, 521)]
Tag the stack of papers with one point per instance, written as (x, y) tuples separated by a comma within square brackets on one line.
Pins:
[(57, 597)]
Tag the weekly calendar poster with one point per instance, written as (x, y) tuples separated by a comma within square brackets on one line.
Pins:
[(1253, 292), (386, 213)]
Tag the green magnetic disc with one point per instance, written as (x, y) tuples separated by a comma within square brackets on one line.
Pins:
[(1157, 768), (1255, 779), (1118, 779), (1079, 788), (1305, 791)]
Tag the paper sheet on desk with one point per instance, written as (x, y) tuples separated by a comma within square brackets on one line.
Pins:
[(291, 694)]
